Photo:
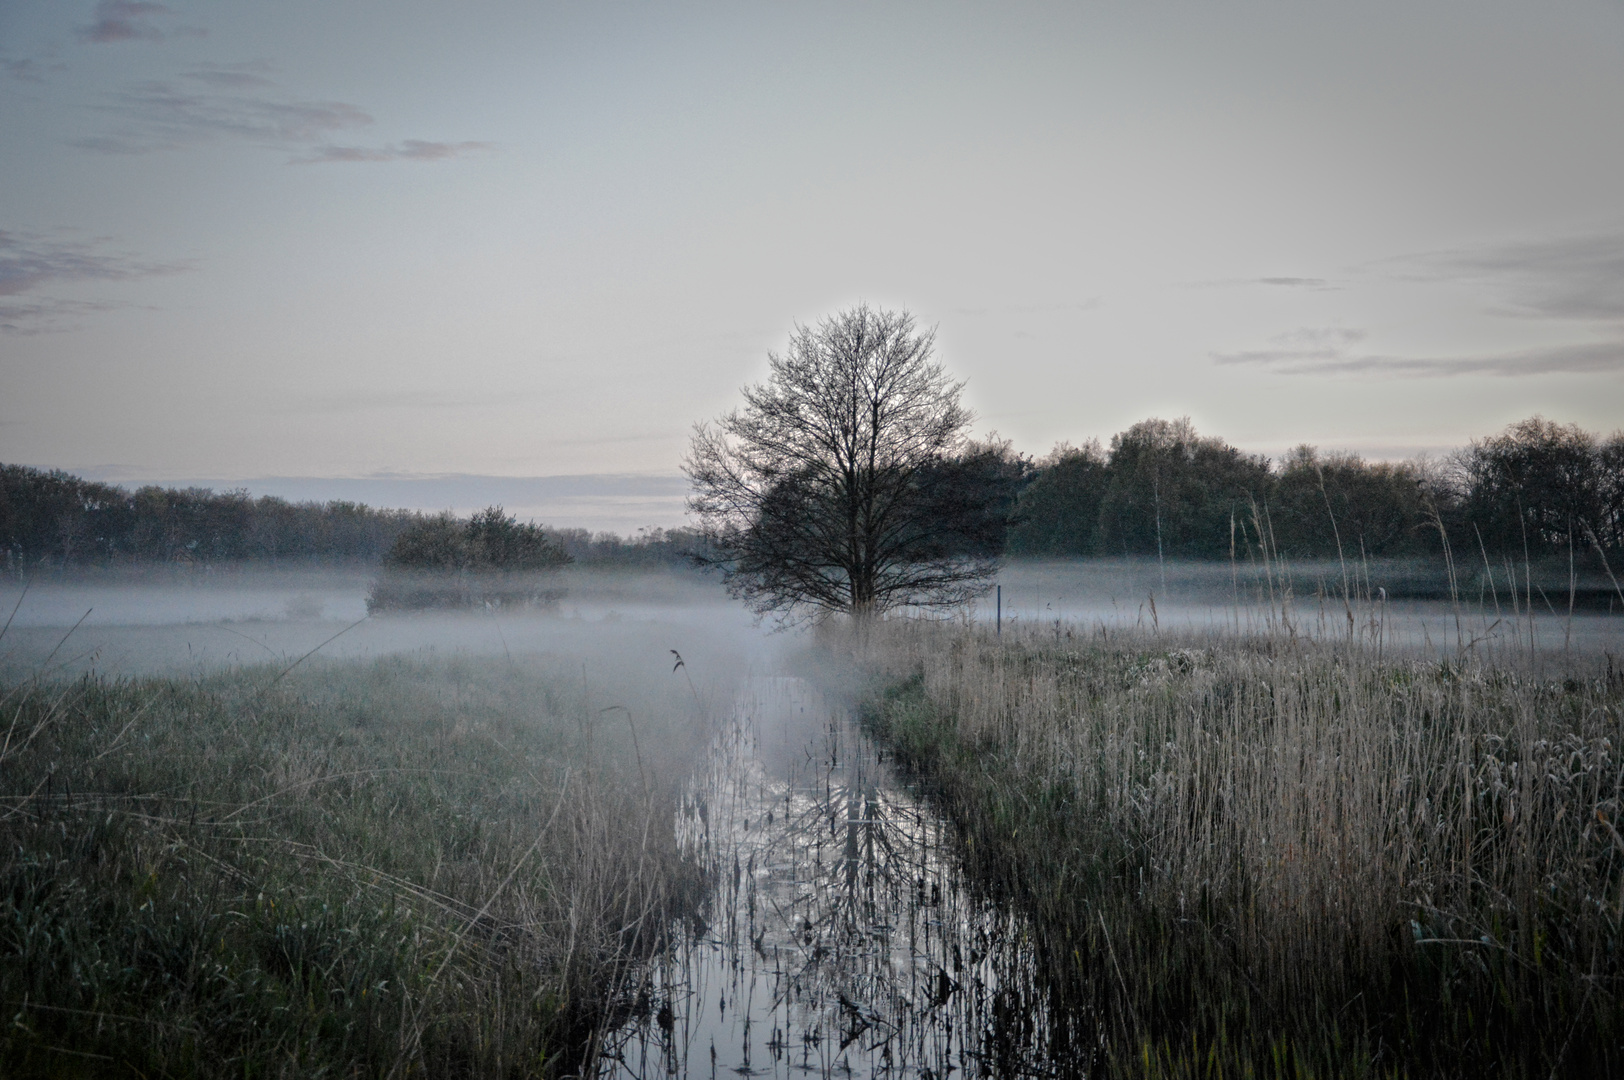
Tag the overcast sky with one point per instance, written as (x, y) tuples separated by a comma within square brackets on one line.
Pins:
[(307, 239)]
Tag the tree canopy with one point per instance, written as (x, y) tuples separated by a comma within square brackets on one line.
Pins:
[(1542, 487), (843, 484), (491, 540), (1160, 465), (491, 558)]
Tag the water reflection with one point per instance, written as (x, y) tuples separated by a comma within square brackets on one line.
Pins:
[(842, 940)]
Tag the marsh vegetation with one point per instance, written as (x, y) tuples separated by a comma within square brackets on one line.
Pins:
[(403, 866), (1266, 854), (1236, 830)]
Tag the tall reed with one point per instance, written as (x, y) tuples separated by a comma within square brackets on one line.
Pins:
[(385, 869), (1274, 855)]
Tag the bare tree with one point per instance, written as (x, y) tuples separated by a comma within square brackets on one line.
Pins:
[(839, 487)]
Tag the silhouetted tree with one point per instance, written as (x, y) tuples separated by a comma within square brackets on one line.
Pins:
[(437, 543), (443, 561), (836, 488), (1324, 505), (497, 541), (977, 489), (51, 518), (1609, 524), (1537, 486), (1175, 493), (647, 548), (1058, 514)]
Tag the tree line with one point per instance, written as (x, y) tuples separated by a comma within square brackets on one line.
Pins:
[(54, 519), (1160, 487), (1537, 489)]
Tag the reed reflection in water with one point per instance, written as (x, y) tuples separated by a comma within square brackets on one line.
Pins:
[(843, 938)]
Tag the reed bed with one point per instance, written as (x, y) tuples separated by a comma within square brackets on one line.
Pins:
[(1270, 855), (393, 869)]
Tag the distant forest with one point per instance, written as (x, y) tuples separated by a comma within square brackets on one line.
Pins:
[(1538, 488), (53, 519), (1160, 488)]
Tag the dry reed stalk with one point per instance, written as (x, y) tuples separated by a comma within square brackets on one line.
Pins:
[(1338, 820)]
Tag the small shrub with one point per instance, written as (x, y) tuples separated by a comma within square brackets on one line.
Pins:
[(489, 560)]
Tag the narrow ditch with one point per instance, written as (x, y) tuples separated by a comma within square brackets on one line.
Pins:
[(843, 937)]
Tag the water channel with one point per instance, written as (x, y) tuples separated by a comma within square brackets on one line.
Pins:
[(843, 938)]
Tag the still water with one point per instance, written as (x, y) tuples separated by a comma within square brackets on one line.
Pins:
[(843, 938)]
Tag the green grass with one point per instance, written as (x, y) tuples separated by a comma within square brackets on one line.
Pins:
[(1274, 858), (396, 868)]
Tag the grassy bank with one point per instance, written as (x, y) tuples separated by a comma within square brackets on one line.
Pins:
[(399, 868), (1280, 858)]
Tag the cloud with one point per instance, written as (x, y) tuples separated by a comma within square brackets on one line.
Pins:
[(1316, 284), (240, 102), (1079, 305), (29, 262), (44, 315), (1305, 345), (1595, 358), (32, 69), (1091, 304), (410, 150), (165, 116), (1292, 282), (251, 73), (344, 402), (1571, 277), (1576, 280), (123, 20), (1320, 336)]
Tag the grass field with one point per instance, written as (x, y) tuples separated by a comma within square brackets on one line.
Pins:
[(1270, 856), (399, 867)]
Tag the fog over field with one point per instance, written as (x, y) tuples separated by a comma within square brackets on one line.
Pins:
[(190, 622), (1204, 596), (144, 624)]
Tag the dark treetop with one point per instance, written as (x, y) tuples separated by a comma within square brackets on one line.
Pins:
[(840, 486)]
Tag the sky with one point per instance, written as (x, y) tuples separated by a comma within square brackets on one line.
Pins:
[(369, 245)]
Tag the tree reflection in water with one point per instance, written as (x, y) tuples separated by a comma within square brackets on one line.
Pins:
[(843, 936)]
